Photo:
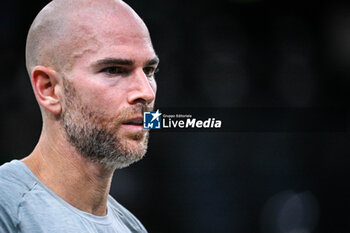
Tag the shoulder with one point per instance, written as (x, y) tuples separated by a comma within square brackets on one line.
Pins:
[(126, 216), (13, 185), (14, 179)]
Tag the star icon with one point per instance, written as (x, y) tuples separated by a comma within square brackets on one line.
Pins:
[(156, 115)]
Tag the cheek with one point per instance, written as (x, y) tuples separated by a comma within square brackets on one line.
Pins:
[(107, 100), (102, 98)]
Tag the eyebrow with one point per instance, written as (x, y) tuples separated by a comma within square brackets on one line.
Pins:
[(153, 61), (114, 61), (124, 62)]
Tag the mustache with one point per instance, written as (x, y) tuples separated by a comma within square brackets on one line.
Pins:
[(135, 110), (146, 108)]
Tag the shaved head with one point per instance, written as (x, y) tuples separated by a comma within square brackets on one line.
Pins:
[(64, 30), (92, 66)]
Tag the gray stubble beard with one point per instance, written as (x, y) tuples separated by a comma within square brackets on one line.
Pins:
[(95, 136)]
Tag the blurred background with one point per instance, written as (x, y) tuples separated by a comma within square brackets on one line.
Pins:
[(229, 54)]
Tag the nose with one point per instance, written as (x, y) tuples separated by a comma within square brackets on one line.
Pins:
[(143, 89)]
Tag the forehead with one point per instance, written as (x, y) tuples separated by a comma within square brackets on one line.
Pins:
[(99, 37)]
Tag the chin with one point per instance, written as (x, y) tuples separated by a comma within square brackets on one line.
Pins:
[(133, 148), (129, 154), (136, 145)]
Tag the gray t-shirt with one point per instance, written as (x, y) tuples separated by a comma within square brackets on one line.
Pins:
[(28, 206)]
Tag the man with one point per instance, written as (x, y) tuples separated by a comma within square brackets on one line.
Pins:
[(92, 66)]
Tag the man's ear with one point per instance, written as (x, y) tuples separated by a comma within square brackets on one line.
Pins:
[(47, 87)]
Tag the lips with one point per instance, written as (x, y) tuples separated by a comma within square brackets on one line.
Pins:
[(134, 121)]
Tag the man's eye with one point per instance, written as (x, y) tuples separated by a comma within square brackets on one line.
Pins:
[(115, 70), (150, 71)]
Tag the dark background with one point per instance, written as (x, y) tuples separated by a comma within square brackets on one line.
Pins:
[(223, 53)]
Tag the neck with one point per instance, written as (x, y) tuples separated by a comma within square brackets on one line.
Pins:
[(80, 182)]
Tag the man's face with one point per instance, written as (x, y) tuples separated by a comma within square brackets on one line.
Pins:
[(109, 86)]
